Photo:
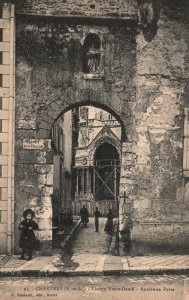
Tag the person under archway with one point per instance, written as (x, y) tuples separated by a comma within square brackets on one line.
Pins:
[(84, 213), (109, 224), (27, 238), (97, 216)]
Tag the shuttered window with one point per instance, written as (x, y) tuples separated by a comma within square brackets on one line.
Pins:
[(1, 57), (186, 143), (1, 80), (1, 34), (1, 11)]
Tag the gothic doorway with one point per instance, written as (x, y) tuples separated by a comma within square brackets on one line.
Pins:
[(96, 166), (106, 178)]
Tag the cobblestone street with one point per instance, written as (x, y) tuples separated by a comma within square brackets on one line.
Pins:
[(89, 248)]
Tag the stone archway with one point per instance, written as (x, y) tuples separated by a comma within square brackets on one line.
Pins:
[(34, 168), (50, 81)]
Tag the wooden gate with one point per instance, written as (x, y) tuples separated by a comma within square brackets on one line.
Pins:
[(106, 184)]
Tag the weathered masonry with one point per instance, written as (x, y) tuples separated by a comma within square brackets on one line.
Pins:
[(124, 57), (7, 125), (63, 63)]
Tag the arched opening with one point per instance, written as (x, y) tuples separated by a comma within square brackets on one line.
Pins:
[(106, 177), (56, 179), (86, 143), (96, 104)]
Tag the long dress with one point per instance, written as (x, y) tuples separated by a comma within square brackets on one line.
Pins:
[(109, 224), (27, 238), (97, 216), (84, 215)]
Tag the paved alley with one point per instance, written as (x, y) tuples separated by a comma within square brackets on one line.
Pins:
[(88, 253), (88, 249)]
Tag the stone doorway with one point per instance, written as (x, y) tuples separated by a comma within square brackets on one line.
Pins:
[(106, 178), (64, 167)]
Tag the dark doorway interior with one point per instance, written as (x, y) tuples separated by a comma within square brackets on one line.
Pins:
[(107, 175)]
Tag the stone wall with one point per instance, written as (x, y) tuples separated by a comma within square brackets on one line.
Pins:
[(6, 134), (67, 142), (144, 83), (92, 8), (34, 189), (154, 186), (50, 79), (51, 56)]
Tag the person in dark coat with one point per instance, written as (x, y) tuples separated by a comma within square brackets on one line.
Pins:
[(109, 224), (97, 216), (27, 237), (84, 216)]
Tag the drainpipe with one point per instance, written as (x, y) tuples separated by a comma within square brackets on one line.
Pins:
[(10, 141)]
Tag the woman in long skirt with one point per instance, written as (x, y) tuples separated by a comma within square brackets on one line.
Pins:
[(109, 224)]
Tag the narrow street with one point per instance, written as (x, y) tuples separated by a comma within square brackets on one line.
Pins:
[(88, 249)]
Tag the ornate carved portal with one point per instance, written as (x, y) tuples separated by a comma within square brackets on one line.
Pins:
[(98, 185)]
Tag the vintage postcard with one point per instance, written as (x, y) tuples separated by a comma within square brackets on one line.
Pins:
[(94, 139)]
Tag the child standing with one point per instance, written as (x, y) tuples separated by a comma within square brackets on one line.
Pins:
[(27, 238)]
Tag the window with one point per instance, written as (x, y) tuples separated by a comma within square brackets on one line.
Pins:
[(1, 11), (1, 34), (0, 170), (1, 147), (1, 103), (0, 193), (186, 144), (92, 53), (1, 57), (1, 80), (1, 127)]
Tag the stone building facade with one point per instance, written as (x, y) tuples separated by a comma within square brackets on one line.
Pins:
[(97, 161), (7, 125), (63, 153), (126, 58)]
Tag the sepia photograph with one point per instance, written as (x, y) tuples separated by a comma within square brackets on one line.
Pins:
[(94, 149)]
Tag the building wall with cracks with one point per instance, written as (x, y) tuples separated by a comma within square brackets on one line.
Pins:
[(86, 8), (50, 79), (156, 186), (143, 81), (7, 122)]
